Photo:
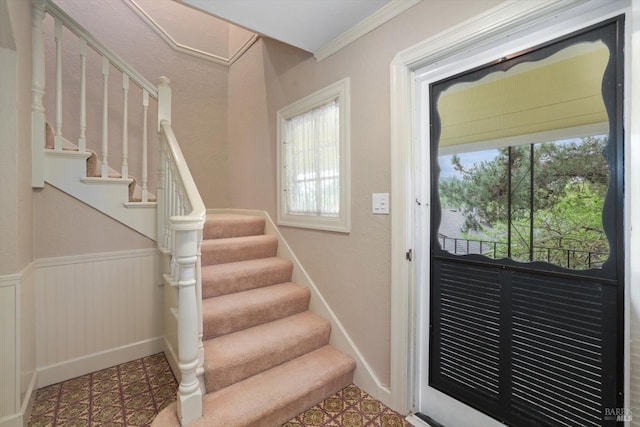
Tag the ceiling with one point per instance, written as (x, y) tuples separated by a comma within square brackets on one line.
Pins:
[(309, 25)]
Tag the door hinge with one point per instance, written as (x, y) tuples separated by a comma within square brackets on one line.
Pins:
[(409, 255)]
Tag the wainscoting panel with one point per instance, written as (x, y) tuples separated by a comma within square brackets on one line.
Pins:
[(8, 340), (93, 311), (17, 347)]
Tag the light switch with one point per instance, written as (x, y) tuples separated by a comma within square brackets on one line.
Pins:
[(380, 203)]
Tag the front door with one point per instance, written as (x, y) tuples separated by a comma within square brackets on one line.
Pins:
[(525, 260)]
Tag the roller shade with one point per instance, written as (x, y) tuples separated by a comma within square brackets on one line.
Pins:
[(558, 96)]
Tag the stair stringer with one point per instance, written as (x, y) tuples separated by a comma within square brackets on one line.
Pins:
[(66, 170), (364, 377)]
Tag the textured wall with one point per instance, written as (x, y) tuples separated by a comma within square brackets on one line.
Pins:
[(58, 214), (352, 270), (16, 243)]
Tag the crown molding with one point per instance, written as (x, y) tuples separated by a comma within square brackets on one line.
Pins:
[(188, 50), (383, 15)]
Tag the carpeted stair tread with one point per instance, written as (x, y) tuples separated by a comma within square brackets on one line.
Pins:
[(230, 313), (222, 279), (274, 396), (219, 251), (235, 357), (221, 226)]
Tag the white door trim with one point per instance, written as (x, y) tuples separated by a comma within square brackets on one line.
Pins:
[(489, 29)]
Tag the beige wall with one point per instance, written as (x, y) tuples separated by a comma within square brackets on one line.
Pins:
[(16, 236), (352, 271), (58, 215)]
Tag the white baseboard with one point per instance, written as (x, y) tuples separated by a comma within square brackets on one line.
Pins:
[(68, 369), (364, 377), (16, 420), (21, 419), (172, 358), (29, 398)]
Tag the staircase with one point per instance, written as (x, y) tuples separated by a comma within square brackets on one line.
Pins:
[(267, 357), (238, 331)]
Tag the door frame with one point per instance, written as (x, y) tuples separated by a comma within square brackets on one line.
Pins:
[(492, 31)]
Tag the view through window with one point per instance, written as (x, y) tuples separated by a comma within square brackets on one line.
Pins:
[(533, 202)]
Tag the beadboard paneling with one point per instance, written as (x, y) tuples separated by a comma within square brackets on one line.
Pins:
[(8, 340), (91, 306)]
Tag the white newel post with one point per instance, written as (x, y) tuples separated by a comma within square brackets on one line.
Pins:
[(189, 402), (164, 101), (200, 371), (37, 92)]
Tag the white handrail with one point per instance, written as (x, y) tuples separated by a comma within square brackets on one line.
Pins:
[(198, 210)]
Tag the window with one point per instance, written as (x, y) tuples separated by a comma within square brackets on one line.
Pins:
[(533, 202), (313, 160)]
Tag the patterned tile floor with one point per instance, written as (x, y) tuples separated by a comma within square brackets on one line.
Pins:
[(131, 394), (350, 407)]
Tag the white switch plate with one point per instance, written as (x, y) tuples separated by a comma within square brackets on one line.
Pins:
[(380, 203)]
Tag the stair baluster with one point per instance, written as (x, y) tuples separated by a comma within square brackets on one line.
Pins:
[(37, 92), (125, 128), (82, 140), (58, 37), (145, 112), (105, 117)]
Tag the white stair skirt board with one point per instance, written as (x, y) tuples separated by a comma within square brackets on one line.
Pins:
[(66, 170), (364, 377)]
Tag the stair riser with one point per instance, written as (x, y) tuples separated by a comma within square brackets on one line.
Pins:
[(281, 393), (215, 252), (223, 282), (280, 351), (225, 226), (220, 319), (281, 415)]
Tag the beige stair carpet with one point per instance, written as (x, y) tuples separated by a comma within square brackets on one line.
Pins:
[(267, 357)]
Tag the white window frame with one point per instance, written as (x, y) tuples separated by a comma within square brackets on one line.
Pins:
[(341, 223)]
